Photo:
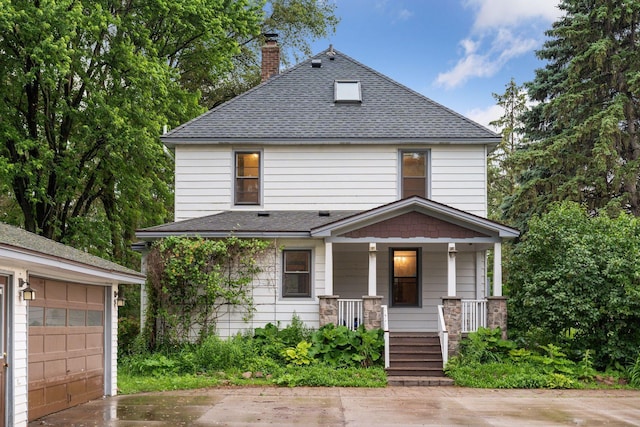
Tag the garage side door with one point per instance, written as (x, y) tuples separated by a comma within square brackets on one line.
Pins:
[(66, 345)]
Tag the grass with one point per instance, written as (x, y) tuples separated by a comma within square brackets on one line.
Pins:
[(316, 375)]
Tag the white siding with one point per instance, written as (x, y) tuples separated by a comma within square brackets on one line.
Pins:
[(458, 177), (267, 293), (202, 180), (17, 349), (111, 382), (339, 177)]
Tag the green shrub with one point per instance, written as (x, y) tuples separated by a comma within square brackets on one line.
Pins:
[(216, 354), (484, 346), (298, 355), (341, 347), (154, 365), (634, 373)]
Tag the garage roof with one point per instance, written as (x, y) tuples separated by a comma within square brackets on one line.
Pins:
[(19, 241)]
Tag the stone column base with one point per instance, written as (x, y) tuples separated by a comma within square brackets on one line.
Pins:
[(372, 312), (497, 314), (328, 309), (452, 308)]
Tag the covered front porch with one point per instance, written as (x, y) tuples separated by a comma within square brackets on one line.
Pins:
[(419, 265)]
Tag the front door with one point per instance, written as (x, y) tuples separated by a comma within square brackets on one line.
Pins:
[(3, 345)]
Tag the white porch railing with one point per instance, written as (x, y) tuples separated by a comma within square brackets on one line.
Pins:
[(444, 336), (350, 313), (474, 314), (385, 329)]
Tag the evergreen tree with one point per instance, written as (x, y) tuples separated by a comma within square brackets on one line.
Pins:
[(585, 126), (501, 172)]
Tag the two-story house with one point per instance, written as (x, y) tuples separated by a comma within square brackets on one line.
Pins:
[(375, 195)]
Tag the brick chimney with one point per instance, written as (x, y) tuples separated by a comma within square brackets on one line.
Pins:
[(270, 57)]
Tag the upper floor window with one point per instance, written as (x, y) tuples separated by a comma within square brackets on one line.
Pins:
[(296, 281), (347, 91), (415, 180), (247, 180)]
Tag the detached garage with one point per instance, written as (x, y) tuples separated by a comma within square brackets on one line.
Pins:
[(60, 348)]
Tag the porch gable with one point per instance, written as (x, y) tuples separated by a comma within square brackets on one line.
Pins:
[(413, 224)]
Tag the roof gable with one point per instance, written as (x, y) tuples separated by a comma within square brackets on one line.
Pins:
[(413, 224), (298, 106), (388, 219)]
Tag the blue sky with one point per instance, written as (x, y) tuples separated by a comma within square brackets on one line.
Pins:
[(456, 52)]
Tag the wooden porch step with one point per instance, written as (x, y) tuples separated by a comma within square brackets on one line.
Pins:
[(414, 371), (414, 355), (414, 381)]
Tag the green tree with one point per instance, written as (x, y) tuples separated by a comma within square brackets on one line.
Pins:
[(297, 22), (576, 275), (86, 87), (585, 126), (501, 172)]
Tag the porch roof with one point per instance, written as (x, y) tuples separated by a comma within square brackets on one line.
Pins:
[(305, 224), (247, 224), (418, 204)]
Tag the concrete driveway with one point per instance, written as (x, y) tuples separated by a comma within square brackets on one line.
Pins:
[(391, 406)]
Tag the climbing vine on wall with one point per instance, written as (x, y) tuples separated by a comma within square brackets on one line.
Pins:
[(193, 281)]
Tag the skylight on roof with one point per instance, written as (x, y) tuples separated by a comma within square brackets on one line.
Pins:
[(347, 91)]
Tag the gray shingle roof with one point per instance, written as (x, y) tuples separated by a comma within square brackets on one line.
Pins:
[(298, 106), (306, 223), (247, 223), (14, 237)]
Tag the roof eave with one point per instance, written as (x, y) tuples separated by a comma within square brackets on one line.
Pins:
[(155, 235), (172, 142), (51, 261)]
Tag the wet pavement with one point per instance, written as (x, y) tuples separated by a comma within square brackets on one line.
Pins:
[(391, 406)]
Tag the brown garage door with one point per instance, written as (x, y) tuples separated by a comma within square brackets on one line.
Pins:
[(66, 345)]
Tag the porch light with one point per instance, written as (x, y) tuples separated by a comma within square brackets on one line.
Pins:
[(28, 294), (452, 250), (119, 299)]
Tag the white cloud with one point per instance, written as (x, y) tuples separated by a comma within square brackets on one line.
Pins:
[(484, 116), (504, 47), (501, 13), (502, 30)]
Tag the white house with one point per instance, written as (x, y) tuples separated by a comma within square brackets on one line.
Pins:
[(59, 349), (375, 195)]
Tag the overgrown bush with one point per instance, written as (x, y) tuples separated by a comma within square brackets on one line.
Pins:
[(575, 282), (341, 347), (294, 355), (486, 360)]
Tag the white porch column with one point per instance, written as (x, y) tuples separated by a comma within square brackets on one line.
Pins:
[(328, 268), (481, 275), (497, 269), (451, 270), (372, 269)]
